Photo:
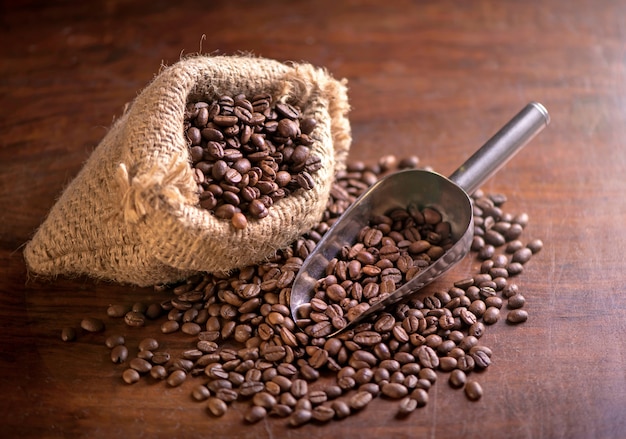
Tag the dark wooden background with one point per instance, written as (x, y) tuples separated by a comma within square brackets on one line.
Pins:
[(432, 78)]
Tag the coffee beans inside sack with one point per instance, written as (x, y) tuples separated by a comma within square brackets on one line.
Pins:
[(229, 338), (215, 165), (248, 154)]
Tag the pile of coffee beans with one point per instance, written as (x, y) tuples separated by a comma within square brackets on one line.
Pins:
[(389, 252), (244, 346), (248, 154)]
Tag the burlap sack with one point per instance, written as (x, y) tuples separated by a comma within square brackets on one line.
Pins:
[(131, 215)]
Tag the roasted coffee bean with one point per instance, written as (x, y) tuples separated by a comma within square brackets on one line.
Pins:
[(216, 406), (135, 319), (482, 359), (407, 405), (92, 324), (140, 365), (176, 378), (300, 417), (473, 390), (170, 326), (264, 399), (119, 353), (535, 245), (117, 310), (158, 372), (457, 378), (255, 414), (517, 316), (522, 255), (323, 413), (200, 392), (359, 400), (68, 333), (421, 396), (491, 315), (114, 340), (130, 376), (148, 344), (516, 301), (394, 390), (160, 357)]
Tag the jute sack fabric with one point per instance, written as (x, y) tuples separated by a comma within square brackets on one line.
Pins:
[(131, 215)]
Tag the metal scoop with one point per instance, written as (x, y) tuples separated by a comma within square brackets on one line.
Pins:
[(423, 189)]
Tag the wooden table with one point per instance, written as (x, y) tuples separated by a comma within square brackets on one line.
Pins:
[(433, 78)]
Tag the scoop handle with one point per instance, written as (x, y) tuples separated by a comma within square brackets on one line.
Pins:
[(501, 147)]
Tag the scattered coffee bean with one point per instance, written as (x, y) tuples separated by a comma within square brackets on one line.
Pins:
[(148, 344), (407, 406), (517, 316), (255, 414), (119, 354), (158, 372), (516, 301), (421, 396), (473, 390), (176, 378), (114, 340), (68, 334), (92, 324), (130, 376), (300, 417), (457, 378), (216, 406)]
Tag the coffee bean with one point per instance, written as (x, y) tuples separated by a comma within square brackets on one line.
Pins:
[(359, 400), (407, 405), (140, 365), (516, 301), (135, 319), (420, 396), (158, 372), (535, 245), (491, 315), (130, 376), (119, 354), (148, 344), (170, 326), (216, 406), (323, 413), (68, 333), (117, 310), (300, 417), (92, 324), (522, 255), (255, 414), (473, 390), (200, 392), (457, 378), (264, 399), (114, 340), (394, 390), (517, 316)]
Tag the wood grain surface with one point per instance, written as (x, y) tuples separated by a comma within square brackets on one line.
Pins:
[(431, 78)]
